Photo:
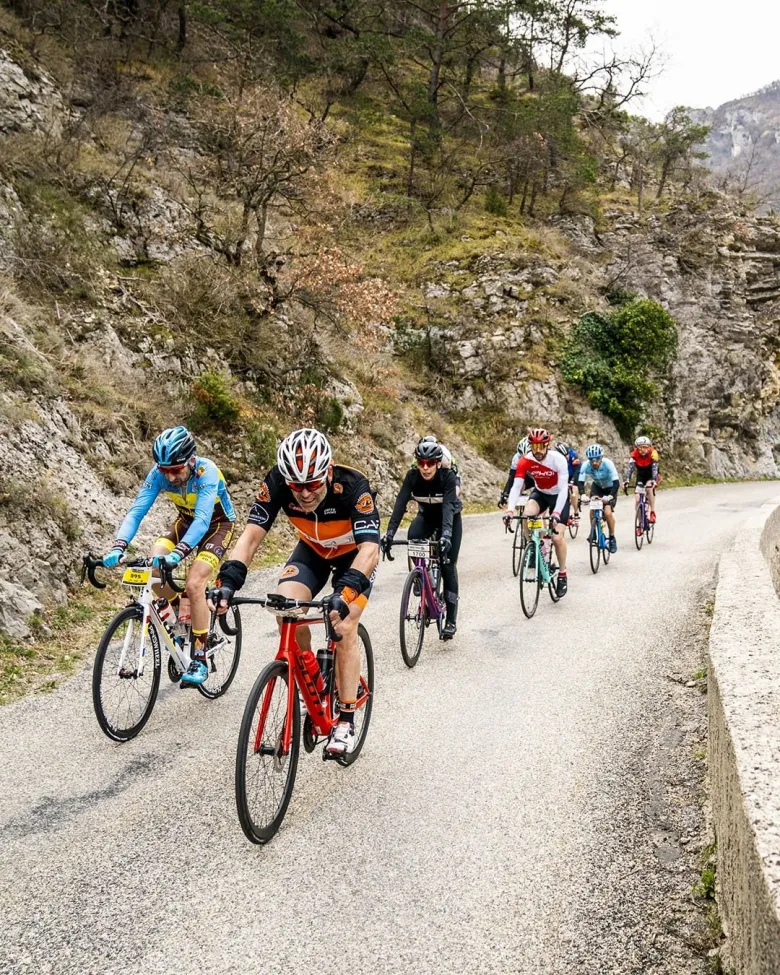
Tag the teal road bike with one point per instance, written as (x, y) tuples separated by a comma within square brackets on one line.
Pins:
[(598, 538), (539, 568)]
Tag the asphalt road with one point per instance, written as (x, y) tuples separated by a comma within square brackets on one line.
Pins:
[(490, 824)]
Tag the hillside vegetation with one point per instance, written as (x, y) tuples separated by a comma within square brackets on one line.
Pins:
[(382, 218)]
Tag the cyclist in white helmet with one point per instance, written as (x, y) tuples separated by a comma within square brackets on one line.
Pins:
[(334, 511)]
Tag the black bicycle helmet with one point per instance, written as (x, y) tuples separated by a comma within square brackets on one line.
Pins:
[(428, 450)]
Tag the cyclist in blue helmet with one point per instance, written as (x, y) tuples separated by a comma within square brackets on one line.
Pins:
[(605, 484), (204, 522)]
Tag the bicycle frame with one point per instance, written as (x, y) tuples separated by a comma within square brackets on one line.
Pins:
[(538, 535), (146, 598), (430, 603), (641, 491)]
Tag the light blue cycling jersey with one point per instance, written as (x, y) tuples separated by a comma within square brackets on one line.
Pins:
[(604, 476), (203, 499)]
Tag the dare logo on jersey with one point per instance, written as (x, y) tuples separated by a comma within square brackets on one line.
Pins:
[(264, 494), (365, 503)]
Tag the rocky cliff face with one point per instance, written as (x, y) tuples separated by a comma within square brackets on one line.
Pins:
[(744, 142)]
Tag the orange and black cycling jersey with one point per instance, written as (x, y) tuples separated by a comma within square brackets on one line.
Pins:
[(346, 517)]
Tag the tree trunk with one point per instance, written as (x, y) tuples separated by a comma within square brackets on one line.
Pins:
[(664, 175), (181, 40), (261, 216)]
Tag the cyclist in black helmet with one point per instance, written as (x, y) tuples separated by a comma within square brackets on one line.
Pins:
[(434, 488)]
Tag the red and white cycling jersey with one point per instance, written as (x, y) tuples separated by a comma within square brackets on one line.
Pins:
[(550, 476)]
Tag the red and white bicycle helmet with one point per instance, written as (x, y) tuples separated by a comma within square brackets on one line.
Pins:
[(538, 435), (304, 455)]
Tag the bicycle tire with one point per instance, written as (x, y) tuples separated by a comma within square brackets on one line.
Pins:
[(649, 529), (222, 663), (530, 600), (574, 527), (518, 544), (594, 549), (605, 552), (552, 564), (261, 827), (363, 713), (410, 649), (639, 536), (125, 732)]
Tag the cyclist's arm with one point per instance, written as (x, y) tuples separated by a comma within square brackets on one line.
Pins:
[(402, 500), (518, 483), (654, 470), (448, 505), (630, 469), (581, 475), (262, 515), (562, 466), (140, 507), (204, 511), (248, 544), (509, 481)]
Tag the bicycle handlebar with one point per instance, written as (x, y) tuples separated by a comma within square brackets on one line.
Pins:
[(405, 541), (278, 603), (89, 564)]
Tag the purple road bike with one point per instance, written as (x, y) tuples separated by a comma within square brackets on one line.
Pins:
[(422, 600)]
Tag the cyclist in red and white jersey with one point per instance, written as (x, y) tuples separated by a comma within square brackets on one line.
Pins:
[(549, 471)]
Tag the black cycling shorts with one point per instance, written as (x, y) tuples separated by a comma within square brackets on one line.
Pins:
[(599, 491), (305, 566), (546, 502), (643, 475)]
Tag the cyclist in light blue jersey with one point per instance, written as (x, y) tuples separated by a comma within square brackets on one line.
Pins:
[(205, 517), (605, 484)]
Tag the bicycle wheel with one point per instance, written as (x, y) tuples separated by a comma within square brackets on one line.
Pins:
[(518, 544), (264, 776), (639, 536), (412, 623), (365, 696), (605, 552), (593, 544), (530, 581), (649, 529), (223, 652), (574, 527), (552, 564), (123, 700)]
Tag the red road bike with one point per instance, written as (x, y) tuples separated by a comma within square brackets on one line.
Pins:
[(270, 735)]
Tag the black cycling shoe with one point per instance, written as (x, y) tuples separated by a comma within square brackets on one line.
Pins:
[(562, 587), (449, 630)]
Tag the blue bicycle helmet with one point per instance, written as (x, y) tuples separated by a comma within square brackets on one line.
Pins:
[(173, 447), (594, 452)]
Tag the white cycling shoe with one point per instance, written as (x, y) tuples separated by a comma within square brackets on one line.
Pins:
[(342, 739)]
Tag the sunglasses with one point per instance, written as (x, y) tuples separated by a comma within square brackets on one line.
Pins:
[(427, 463), (176, 470), (306, 486)]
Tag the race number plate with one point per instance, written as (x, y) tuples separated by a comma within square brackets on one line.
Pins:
[(419, 550), (640, 489), (535, 523), (522, 502), (596, 504), (136, 577)]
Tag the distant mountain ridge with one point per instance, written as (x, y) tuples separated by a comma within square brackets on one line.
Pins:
[(744, 143)]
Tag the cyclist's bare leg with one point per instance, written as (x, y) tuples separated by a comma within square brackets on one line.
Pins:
[(559, 543), (297, 590), (609, 515), (348, 656), (651, 498), (197, 579), (164, 590), (574, 501), (531, 510)]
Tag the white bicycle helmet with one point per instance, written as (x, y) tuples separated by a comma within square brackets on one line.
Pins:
[(522, 446), (643, 442), (304, 455)]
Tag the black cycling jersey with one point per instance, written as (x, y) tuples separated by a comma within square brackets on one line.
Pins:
[(437, 498)]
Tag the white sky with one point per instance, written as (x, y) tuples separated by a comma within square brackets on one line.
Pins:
[(714, 50)]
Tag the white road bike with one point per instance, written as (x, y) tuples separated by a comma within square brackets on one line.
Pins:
[(128, 663)]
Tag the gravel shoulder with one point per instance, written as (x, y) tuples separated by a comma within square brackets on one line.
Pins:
[(529, 798)]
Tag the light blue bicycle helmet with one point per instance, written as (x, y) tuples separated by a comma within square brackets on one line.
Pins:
[(173, 447), (594, 452), (522, 446)]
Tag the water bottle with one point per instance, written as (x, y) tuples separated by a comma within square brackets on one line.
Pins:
[(325, 662), (312, 668), (167, 615)]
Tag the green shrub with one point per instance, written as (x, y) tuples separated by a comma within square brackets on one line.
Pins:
[(330, 414), (262, 443), (495, 203), (618, 359), (216, 406)]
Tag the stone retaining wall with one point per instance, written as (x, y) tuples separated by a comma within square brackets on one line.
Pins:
[(744, 748)]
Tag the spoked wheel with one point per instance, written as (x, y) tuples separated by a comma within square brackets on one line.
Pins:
[(552, 586), (223, 652), (530, 583), (412, 618), (518, 544), (605, 552), (639, 536), (265, 774), (123, 699), (365, 695), (595, 551), (649, 530), (574, 526)]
